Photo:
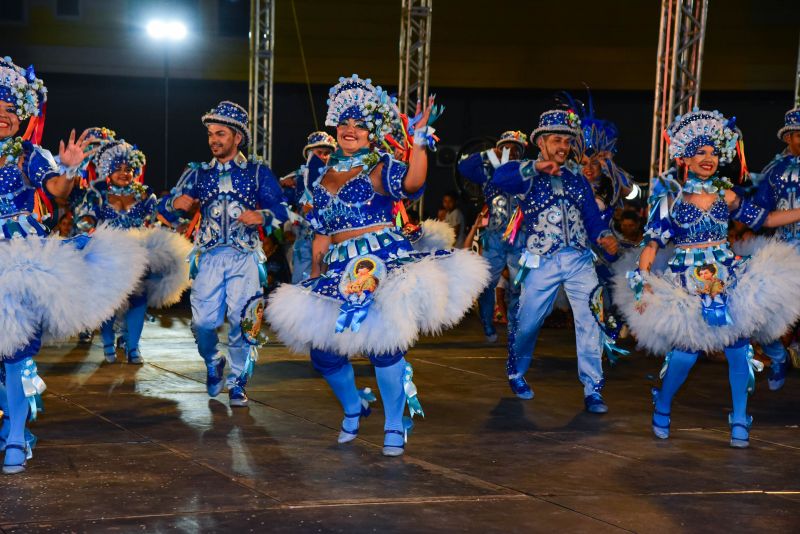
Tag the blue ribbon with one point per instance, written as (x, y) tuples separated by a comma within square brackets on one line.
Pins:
[(352, 314), (410, 389), (715, 310)]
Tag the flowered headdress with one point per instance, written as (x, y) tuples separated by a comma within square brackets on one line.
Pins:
[(232, 115), (557, 121), (354, 98), (791, 123), (513, 136), (27, 93), (114, 154), (699, 128), (319, 140)]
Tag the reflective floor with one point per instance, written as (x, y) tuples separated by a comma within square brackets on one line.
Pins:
[(124, 448)]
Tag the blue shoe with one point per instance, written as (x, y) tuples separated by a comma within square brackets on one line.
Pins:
[(392, 448), (346, 436), (214, 377), (520, 388), (595, 404), (777, 375), (14, 468), (660, 430), (237, 397), (490, 333), (740, 432), (135, 357), (109, 353)]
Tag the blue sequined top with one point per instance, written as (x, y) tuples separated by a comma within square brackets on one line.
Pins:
[(96, 206), (357, 205), (779, 189), (225, 191), (559, 211), (18, 188), (685, 224), (477, 168)]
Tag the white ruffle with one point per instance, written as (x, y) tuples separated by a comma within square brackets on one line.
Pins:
[(168, 268), (763, 303), (420, 298), (47, 284)]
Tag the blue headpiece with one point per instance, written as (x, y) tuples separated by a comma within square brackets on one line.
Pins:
[(115, 153), (354, 98), (557, 121), (21, 88), (598, 135), (513, 136), (791, 122), (317, 140), (688, 133), (231, 115)]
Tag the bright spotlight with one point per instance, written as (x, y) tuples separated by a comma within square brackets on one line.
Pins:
[(172, 30)]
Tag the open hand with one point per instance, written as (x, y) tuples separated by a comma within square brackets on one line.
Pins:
[(72, 154)]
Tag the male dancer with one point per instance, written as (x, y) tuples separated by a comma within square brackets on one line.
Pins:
[(322, 145), (499, 252), (561, 221), (779, 189), (236, 197)]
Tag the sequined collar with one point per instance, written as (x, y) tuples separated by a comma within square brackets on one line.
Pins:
[(126, 191), (343, 163), (239, 159), (695, 185)]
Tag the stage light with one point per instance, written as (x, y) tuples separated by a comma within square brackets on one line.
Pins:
[(172, 30)]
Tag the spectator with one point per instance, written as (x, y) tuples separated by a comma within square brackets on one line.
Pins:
[(454, 217)]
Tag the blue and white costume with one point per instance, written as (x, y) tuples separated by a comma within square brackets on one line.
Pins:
[(378, 293), (167, 275), (779, 189), (298, 198), (704, 297), (227, 262), (561, 222), (498, 251), (50, 288)]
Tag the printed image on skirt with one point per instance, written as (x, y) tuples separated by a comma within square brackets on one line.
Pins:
[(377, 296)]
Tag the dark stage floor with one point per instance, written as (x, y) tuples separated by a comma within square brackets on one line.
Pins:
[(143, 449)]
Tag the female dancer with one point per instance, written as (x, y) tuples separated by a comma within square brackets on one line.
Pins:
[(371, 293), (706, 298), (119, 199), (49, 287)]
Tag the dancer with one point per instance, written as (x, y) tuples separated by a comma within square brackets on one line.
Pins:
[(707, 298), (561, 222), (117, 198), (371, 292), (500, 251), (321, 145), (778, 190), (236, 198), (51, 288)]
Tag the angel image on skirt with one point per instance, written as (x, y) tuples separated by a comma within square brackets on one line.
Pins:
[(711, 285), (364, 284)]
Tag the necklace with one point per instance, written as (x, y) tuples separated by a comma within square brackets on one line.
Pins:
[(126, 191), (342, 163), (11, 149)]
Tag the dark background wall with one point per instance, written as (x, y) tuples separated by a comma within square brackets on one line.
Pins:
[(134, 107)]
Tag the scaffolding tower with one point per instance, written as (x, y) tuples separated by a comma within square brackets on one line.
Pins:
[(262, 45), (415, 54), (680, 61)]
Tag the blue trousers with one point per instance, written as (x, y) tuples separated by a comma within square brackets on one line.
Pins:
[(574, 269), (301, 260), (226, 279), (500, 254), (134, 324)]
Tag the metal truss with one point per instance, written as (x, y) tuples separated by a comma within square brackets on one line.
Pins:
[(262, 45), (680, 60), (415, 54)]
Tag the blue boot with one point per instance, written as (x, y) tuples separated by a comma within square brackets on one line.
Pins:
[(134, 323), (778, 365), (343, 383), (678, 365), (237, 396), (739, 376), (393, 395), (16, 448)]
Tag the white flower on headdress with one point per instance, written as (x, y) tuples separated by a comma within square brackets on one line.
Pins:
[(27, 91), (357, 98), (117, 152), (688, 132)]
